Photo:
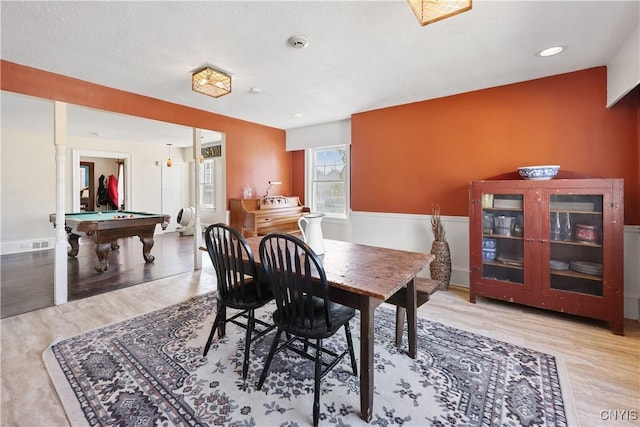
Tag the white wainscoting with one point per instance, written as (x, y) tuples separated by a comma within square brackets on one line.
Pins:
[(413, 233)]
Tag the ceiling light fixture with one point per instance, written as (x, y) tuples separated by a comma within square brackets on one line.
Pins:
[(211, 82), (429, 11), (169, 161), (550, 51)]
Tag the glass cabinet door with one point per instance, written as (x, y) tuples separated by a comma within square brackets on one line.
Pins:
[(502, 237), (575, 243)]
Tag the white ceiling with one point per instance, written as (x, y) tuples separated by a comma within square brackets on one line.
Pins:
[(362, 55)]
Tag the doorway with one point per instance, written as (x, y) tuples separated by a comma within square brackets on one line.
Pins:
[(114, 159), (87, 184)]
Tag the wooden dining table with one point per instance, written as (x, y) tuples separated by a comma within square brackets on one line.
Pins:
[(363, 277)]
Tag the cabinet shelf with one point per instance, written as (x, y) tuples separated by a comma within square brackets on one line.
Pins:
[(575, 243), (577, 212), (591, 208), (502, 264), (571, 273), (502, 236), (518, 210)]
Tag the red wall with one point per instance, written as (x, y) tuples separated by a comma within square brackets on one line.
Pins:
[(406, 158), (255, 153)]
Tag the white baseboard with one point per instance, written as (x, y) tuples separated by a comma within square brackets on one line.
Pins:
[(33, 245), (412, 232)]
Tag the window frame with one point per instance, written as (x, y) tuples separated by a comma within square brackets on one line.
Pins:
[(309, 181)]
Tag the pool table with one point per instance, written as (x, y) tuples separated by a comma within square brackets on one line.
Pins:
[(106, 227)]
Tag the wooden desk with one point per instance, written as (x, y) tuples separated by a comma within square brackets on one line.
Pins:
[(363, 277)]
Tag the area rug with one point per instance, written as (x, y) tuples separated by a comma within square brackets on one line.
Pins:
[(149, 370)]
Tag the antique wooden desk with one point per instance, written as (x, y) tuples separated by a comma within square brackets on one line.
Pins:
[(363, 277)]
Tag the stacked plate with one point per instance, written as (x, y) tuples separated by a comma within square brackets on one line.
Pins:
[(510, 259), (586, 267), (555, 264)]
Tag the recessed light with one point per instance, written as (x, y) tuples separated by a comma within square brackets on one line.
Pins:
[(297, 114), (255, 90), (550, 51)]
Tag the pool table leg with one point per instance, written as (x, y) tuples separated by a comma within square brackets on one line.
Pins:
[(73, 241), (147, 244), (103, 250)]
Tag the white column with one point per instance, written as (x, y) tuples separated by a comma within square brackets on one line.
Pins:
[(197, 235), (60, 255)]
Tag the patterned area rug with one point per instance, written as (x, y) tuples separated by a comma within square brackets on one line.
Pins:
[(149, 370)]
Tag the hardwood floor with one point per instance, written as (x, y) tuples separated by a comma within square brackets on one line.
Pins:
[(603, 369), (27, 278)]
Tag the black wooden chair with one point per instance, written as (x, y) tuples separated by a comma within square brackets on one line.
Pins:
[(304, 312), (238, 286)]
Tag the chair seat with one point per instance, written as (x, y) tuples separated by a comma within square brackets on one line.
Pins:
[(339, 315), (250, 299)]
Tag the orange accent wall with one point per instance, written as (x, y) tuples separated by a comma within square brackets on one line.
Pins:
[(297, 173), (255, 153), (408, 157)]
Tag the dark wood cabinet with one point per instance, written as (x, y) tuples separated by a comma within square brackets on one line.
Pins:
[(554, 244)]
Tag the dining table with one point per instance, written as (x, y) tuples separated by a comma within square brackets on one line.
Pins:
[(363, 277)]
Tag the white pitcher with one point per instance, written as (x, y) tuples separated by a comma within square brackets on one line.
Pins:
[(312, 231)]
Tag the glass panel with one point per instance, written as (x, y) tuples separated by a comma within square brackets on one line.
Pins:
[(502, 237), (329, 197), (575, 230), (329, 165), (207, 187)]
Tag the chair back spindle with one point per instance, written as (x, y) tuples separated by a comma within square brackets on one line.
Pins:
[(233, 262)]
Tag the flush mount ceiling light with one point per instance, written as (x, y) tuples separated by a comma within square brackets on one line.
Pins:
[(429, 11), (211, 82), (550, 51)]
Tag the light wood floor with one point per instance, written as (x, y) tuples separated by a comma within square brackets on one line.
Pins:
[(604, 369)]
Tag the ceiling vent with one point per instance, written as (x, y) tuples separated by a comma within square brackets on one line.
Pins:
[(298, 42)]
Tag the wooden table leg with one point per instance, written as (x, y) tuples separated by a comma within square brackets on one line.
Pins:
[(75, 247), (400, 314), (366, 359), (412, 318), (103, 250), (147, 244)]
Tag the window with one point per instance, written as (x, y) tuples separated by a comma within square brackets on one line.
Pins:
[(328, 180), (207, 189)]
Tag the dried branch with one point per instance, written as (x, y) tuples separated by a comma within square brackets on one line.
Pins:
[(439, 234)]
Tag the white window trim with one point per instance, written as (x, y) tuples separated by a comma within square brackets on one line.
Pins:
[(308, 182)]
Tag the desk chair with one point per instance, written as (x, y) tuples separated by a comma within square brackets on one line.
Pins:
[(304, 311), (238, 286)]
